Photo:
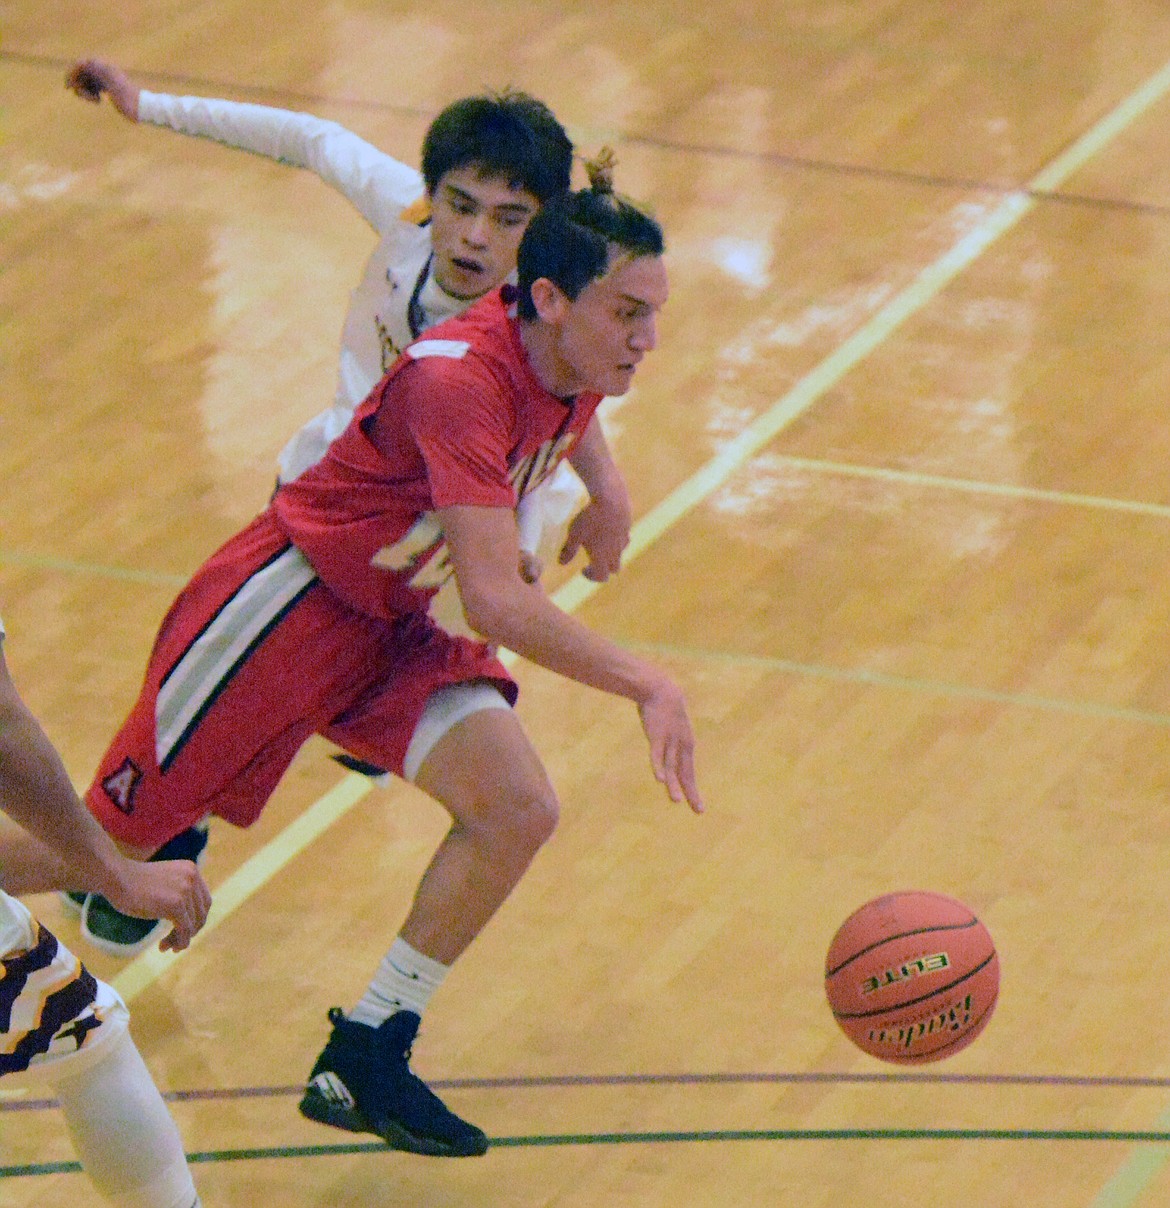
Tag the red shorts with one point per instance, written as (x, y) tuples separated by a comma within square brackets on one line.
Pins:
[(254, 656)]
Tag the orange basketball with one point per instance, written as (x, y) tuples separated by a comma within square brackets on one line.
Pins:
[(912, 976)]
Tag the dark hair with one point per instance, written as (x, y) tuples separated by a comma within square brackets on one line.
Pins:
[(507, 134), (569, 240)]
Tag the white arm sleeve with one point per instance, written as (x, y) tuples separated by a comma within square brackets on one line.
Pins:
[(375, 183), (123, 1133)]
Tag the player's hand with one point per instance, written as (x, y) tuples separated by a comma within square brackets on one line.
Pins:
[(602, 530), (672, 742), (164, 889), (91, 77)]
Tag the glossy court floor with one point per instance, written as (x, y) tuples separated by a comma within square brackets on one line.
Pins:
[(900, 474)]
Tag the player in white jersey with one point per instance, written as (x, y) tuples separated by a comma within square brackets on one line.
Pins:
[(58, 1023), (447, 236)]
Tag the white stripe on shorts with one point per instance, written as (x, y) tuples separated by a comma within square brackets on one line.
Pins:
[(211, 659)]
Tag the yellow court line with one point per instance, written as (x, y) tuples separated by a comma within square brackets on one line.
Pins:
[(738, 451), (905, 683), (973, 486), (70, 566), (1137, 1173), (144, 970), (813, 465)]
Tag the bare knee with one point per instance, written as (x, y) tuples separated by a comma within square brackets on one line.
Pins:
[(521, 823), (543, 815), (492, 783)]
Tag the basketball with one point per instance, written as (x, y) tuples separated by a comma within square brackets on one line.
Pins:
[(912, 977)]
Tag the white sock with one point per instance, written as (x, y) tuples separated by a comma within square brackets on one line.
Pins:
[(405, 981)]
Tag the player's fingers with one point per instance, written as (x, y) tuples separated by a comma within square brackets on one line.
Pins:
[(687, 779), (605, 564), (81, 80), (196, 907), (657, 757), (175, 940), (670, 768)]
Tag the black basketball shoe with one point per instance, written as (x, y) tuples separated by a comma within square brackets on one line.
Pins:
[(362, 1083)]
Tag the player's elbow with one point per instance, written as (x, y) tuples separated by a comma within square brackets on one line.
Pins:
[(488, 611)]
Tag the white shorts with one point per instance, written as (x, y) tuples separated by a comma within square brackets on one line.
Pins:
[(55, 1016)]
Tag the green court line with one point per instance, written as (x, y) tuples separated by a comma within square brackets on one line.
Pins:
[(699, 1136), (906, 683), (812, 465), (836, 1134)]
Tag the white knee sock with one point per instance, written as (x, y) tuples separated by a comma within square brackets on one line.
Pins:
[(405, 981), (125, 1138)]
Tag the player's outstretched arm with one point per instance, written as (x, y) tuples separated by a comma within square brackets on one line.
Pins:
[(92, 77), (75, 853), (507, 611), (378, 185)]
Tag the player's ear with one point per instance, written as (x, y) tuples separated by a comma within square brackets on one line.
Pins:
[(549, 301)]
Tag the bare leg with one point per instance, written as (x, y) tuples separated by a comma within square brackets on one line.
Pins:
[(486, 774), (488, 777)]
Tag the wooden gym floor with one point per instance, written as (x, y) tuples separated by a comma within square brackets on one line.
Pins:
[(901, 468)]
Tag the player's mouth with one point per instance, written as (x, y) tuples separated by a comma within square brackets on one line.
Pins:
[(623, 377), (463, 277)]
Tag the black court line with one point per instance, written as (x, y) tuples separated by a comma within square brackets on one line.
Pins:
[(805, 163), (539, 1082), (547, 1140)]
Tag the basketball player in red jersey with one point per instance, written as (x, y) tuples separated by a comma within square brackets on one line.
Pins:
[(314, 619), (447, 236)]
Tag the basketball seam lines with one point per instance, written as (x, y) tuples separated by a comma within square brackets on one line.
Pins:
[(902, 935), (911, 1002)]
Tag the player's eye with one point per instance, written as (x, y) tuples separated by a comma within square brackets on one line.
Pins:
[(461, 203)]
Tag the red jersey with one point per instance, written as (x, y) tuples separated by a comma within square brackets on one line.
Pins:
[(469, 423)]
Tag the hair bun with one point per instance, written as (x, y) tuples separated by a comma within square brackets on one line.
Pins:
[(600, 171)]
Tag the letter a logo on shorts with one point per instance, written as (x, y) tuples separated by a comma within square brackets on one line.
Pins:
[(121, 786)]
